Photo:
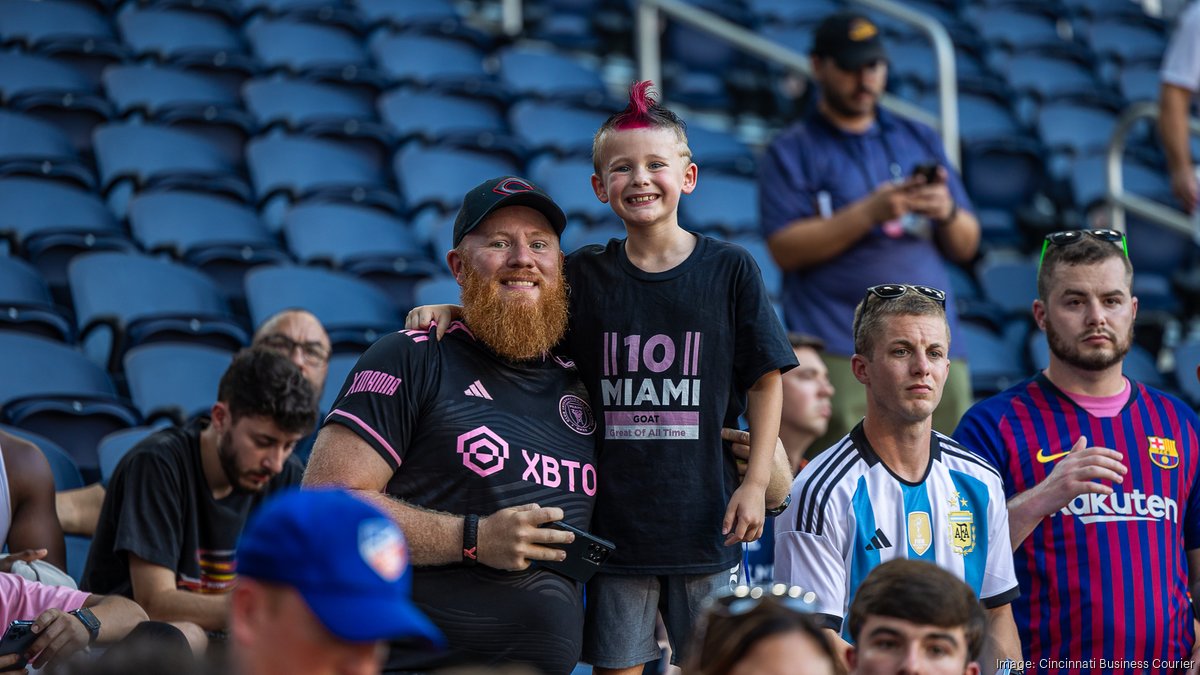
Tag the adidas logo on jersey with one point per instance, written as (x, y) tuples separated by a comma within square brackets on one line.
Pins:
[(878, 542), (476, 389)]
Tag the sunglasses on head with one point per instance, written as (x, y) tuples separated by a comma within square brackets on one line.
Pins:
[(1068, 237), (742, 599), (893, 291)]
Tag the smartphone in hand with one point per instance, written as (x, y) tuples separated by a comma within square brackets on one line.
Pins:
[(585, 555), (929, 170), (17, 640)]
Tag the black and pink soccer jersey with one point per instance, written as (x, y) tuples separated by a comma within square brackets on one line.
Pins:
[(1104, 582), (468, 432), (667, 358)]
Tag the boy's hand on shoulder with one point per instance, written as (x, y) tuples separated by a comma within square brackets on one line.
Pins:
[(419, 318), (745, 515)]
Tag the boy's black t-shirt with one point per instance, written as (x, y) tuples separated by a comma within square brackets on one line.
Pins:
[(667, 358), (159, 507)]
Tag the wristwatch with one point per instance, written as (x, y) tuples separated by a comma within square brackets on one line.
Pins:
[(787, 501), (89, 621)]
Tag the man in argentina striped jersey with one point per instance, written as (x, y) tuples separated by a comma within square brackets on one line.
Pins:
[(1100, 473), (894, 487)]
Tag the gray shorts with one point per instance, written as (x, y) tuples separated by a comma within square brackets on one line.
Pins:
[(622, 610)]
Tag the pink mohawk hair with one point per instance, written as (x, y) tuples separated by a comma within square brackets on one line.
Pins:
[(637, 114)]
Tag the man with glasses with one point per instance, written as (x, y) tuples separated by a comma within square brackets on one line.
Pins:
[(853, 196), (1100, 475), (894, 487)]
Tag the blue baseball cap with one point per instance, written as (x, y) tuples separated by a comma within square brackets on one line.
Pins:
[(345, 557)]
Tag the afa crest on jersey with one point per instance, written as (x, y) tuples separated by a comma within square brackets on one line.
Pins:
[(1162, 452)]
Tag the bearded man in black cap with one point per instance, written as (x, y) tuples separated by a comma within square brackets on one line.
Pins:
[(851, 197), (473, 442)]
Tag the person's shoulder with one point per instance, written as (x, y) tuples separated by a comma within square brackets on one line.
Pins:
[(815, 490), (889, 120), (958, 457), (1186, 413), (23, 460), (167, 449)]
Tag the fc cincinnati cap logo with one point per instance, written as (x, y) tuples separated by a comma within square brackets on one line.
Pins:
[(577, 414), (382, 548), (511, 186)]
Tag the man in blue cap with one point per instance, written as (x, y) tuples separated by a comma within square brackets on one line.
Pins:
[(323, 581)]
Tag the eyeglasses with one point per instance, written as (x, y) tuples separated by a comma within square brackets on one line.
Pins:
[(1067, 237), (314, 353), (893, 291), (742, 599)]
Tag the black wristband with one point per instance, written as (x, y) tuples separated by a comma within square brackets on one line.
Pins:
[(470, 539), (787, 501), (950, 218)]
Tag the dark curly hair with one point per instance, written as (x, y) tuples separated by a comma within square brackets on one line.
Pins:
[(263, 383)]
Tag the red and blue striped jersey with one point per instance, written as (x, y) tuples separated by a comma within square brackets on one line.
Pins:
[(1105, 580)]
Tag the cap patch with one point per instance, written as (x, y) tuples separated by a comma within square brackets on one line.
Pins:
[(512, 186), (382, 547), (862, 30)]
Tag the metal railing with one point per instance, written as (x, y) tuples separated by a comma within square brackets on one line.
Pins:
[(1116, 198), (649, 54)]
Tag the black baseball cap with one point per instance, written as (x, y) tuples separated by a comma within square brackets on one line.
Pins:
[(504, 191), (850, 39)]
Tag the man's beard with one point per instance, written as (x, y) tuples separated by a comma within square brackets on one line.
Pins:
[(1097, 360), (514, 329), (844, 106), (229, 464)]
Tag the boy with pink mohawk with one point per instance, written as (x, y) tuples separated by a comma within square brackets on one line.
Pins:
[(667, 373)]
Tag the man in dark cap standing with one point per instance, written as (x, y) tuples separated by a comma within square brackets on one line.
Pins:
[(852, 197)]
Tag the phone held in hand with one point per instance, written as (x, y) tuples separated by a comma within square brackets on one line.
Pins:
[(927, 169), (585, 555), (17, 639)]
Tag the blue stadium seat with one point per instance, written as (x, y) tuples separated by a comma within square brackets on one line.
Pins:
[(315, 51), (439, 290), (981, 117), (1140, 365), (790, 12), (1074, 128), (555, 127), (340, 366), (26, 304), (1088, 180), (407, 15), (1187, 358), (132, 158), (124, 300), (67, 31), (714, 149), (321, 110), (364, 242), (569, 182), (434, 229), (219, 237), (576, 236), (186, 100), (299, 168), (53, 390), (32, 146), (551, 76), (1013, 28), (431, 61), (722, 205), (995, 366), (437, 176), (1002, 173), (1009, 283), (354, 312), (444, 119), (113, 447), (53, 91), (1124, 41), (188, 39), (49, 222), (174, 380), (1048, 76), (66, 474), (1139, 81)]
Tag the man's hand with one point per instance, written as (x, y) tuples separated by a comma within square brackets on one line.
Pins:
[(419, 318), (1185, 188), (1077, 474), (889, 201), (511, 538), (28, 555), (745, 515), (931, 200), (8, 664), (59, 636), (1194, 668)]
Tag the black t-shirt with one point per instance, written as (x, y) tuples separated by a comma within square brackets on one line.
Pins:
[(159, 507), (667, 358), (468, 432)]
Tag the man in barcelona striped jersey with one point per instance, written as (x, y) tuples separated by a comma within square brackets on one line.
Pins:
[(1100, 474), (893, 487)]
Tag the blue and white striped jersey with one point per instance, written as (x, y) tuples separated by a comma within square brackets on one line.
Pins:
[(849, 513)]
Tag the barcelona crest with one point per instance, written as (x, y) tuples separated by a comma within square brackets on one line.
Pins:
[(1162, 452)]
